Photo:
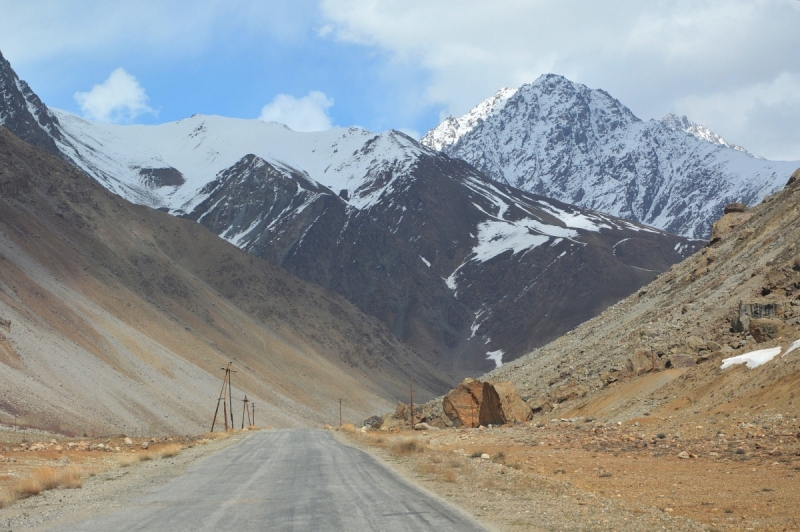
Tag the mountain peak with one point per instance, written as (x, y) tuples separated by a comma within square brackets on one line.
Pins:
[(681, 123), (23, 113), (452, 129)]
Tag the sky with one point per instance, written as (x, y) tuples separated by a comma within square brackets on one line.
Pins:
[(732, 65)]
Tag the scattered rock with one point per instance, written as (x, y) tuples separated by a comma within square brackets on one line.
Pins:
[(605, 474), (485, 456), (567, 392), (145, 445), (63, 460), (540, 404), (683, 455), (560, 471), (680, 361), (127, 441), (425, 426)]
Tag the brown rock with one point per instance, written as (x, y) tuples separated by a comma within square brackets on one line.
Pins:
[(695, 343), (473, 403), (641, 362), (680, 361), (514, 408), (757, 310), (725, 225), (766, 329), (567, 392), (401, 411), (735, 207), (540, 404)]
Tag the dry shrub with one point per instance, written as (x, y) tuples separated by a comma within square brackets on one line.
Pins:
[(454, 463), (168, 451), (124, 460), (436, 459), (47, 478), (448, 475), (407, 446), (499, 458), (476, 454), (144, 457), (348, 427), (6, 497)]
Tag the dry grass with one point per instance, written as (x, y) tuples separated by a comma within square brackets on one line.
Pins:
[(126, 460), (407, 446), (168, 451), (348, 428), (43, 479)]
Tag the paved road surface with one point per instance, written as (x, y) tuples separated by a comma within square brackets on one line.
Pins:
[(286, 480)]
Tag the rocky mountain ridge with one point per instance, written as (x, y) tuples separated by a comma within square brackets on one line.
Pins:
[(422, 241), (579, 145)]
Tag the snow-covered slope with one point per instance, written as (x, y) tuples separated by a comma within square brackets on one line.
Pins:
[(681, 123), (563, 140), (452, 129)]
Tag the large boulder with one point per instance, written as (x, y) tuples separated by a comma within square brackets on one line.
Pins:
[(473, 403), (756, 311), (768, 329), (514, 408), (567, 392), (641, 362)]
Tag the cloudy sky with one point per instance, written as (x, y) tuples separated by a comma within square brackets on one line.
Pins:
[(732, 65)]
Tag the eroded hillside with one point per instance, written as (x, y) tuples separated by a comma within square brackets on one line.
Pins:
[(117, 317)]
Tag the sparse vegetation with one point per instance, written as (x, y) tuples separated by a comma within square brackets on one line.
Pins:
[(43, 479), (476, 454), (407, 446)]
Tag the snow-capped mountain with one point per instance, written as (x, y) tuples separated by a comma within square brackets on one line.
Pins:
[(681, 123), (452, 129), (469, 271), (563, 140)]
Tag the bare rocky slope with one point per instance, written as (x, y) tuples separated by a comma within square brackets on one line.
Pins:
[(660, 351), (117, 318)]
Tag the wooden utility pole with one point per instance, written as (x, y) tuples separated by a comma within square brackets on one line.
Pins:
[(245, 409), (254, 413), (230, 391), (340, 413), (222, 398), (412, 403)]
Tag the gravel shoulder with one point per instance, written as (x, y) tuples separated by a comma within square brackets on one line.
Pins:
[(504, 495), (105, 491)]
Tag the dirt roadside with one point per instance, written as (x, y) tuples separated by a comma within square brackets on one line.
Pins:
[(575, 476), (98, 493)]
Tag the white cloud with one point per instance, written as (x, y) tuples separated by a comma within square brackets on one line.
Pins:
[(120, 98), (649, 55), (309, 113), (772, 108)]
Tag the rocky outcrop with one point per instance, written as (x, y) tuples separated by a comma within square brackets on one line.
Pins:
[(756, 311), (514, 408), (473, 403)]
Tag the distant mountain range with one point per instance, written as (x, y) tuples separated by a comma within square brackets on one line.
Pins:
[(469, 271), (566, 141)]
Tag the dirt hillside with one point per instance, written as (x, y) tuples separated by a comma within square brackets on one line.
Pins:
[(118, 318), (659, 352)]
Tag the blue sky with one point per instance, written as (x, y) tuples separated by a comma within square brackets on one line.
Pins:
[(729, 64)]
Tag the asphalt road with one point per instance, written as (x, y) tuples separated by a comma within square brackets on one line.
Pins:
[(286, 480)]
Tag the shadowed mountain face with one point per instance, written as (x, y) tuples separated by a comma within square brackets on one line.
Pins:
[(121, 316), (566, 141), (23, 113), (467, 271)]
